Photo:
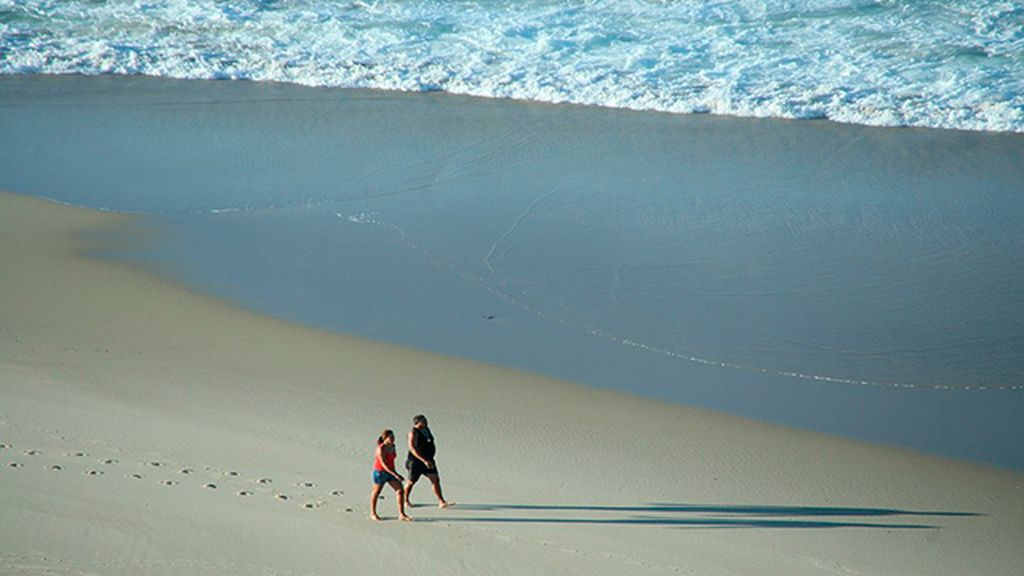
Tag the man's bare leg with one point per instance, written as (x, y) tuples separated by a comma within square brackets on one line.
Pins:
[(407, 492), (435, 483)]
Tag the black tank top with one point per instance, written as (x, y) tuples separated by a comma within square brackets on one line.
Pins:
[(423, 441)]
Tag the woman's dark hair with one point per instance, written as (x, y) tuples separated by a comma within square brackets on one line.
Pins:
[(387, 432)]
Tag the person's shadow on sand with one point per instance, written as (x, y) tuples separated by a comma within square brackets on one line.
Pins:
[(698, 515)]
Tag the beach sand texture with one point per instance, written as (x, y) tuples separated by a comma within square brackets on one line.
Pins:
[(149, 429)]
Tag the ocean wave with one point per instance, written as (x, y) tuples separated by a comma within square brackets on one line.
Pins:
[(956, 65)]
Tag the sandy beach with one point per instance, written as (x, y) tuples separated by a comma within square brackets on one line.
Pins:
[(149, 429)]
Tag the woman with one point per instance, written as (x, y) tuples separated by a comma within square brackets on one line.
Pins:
[(384, 473)]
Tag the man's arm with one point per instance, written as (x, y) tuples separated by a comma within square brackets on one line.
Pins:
[(415, 453)]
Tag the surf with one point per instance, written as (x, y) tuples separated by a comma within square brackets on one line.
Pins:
[(925, 64)]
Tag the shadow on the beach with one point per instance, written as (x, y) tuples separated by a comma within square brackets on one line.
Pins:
[(697, 516)]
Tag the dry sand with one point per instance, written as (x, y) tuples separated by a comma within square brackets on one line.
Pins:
[(149, 429)]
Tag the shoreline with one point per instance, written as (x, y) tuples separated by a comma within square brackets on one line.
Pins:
[(499, 100), (647, 253), (125, 398)]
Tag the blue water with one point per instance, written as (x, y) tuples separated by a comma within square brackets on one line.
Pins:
[(931, 63), (854, 280)]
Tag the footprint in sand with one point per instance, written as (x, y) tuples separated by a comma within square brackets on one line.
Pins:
[(110, 461), (5, 446), (211, 486), (32, 453), (56, 467), (186, 471), (233, 474), (306, 485), (338, 493), (94, 473), (265, 481), (170, 483), (282, 496), (312, 505), (14, 465), (155, 464), (135, 476), (78, 454), (244, 493)]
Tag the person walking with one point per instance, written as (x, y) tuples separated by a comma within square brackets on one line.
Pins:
[(384, 473), (420, 461)]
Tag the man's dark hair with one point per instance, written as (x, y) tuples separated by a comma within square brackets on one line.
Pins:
[(419, 418)]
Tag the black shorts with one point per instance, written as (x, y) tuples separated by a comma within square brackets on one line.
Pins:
[(417, 469)]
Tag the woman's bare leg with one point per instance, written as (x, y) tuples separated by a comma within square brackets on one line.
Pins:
[(400, 493), (374, 494)]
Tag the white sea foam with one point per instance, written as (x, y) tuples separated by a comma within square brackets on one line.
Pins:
[(927, 63), (948, 65)]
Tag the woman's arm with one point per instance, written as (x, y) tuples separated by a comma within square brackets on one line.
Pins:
[(384, 463)]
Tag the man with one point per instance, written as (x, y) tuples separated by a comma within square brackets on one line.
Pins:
[(420, 461)]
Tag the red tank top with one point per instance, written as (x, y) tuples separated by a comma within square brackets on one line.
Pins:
[(389, 458)]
